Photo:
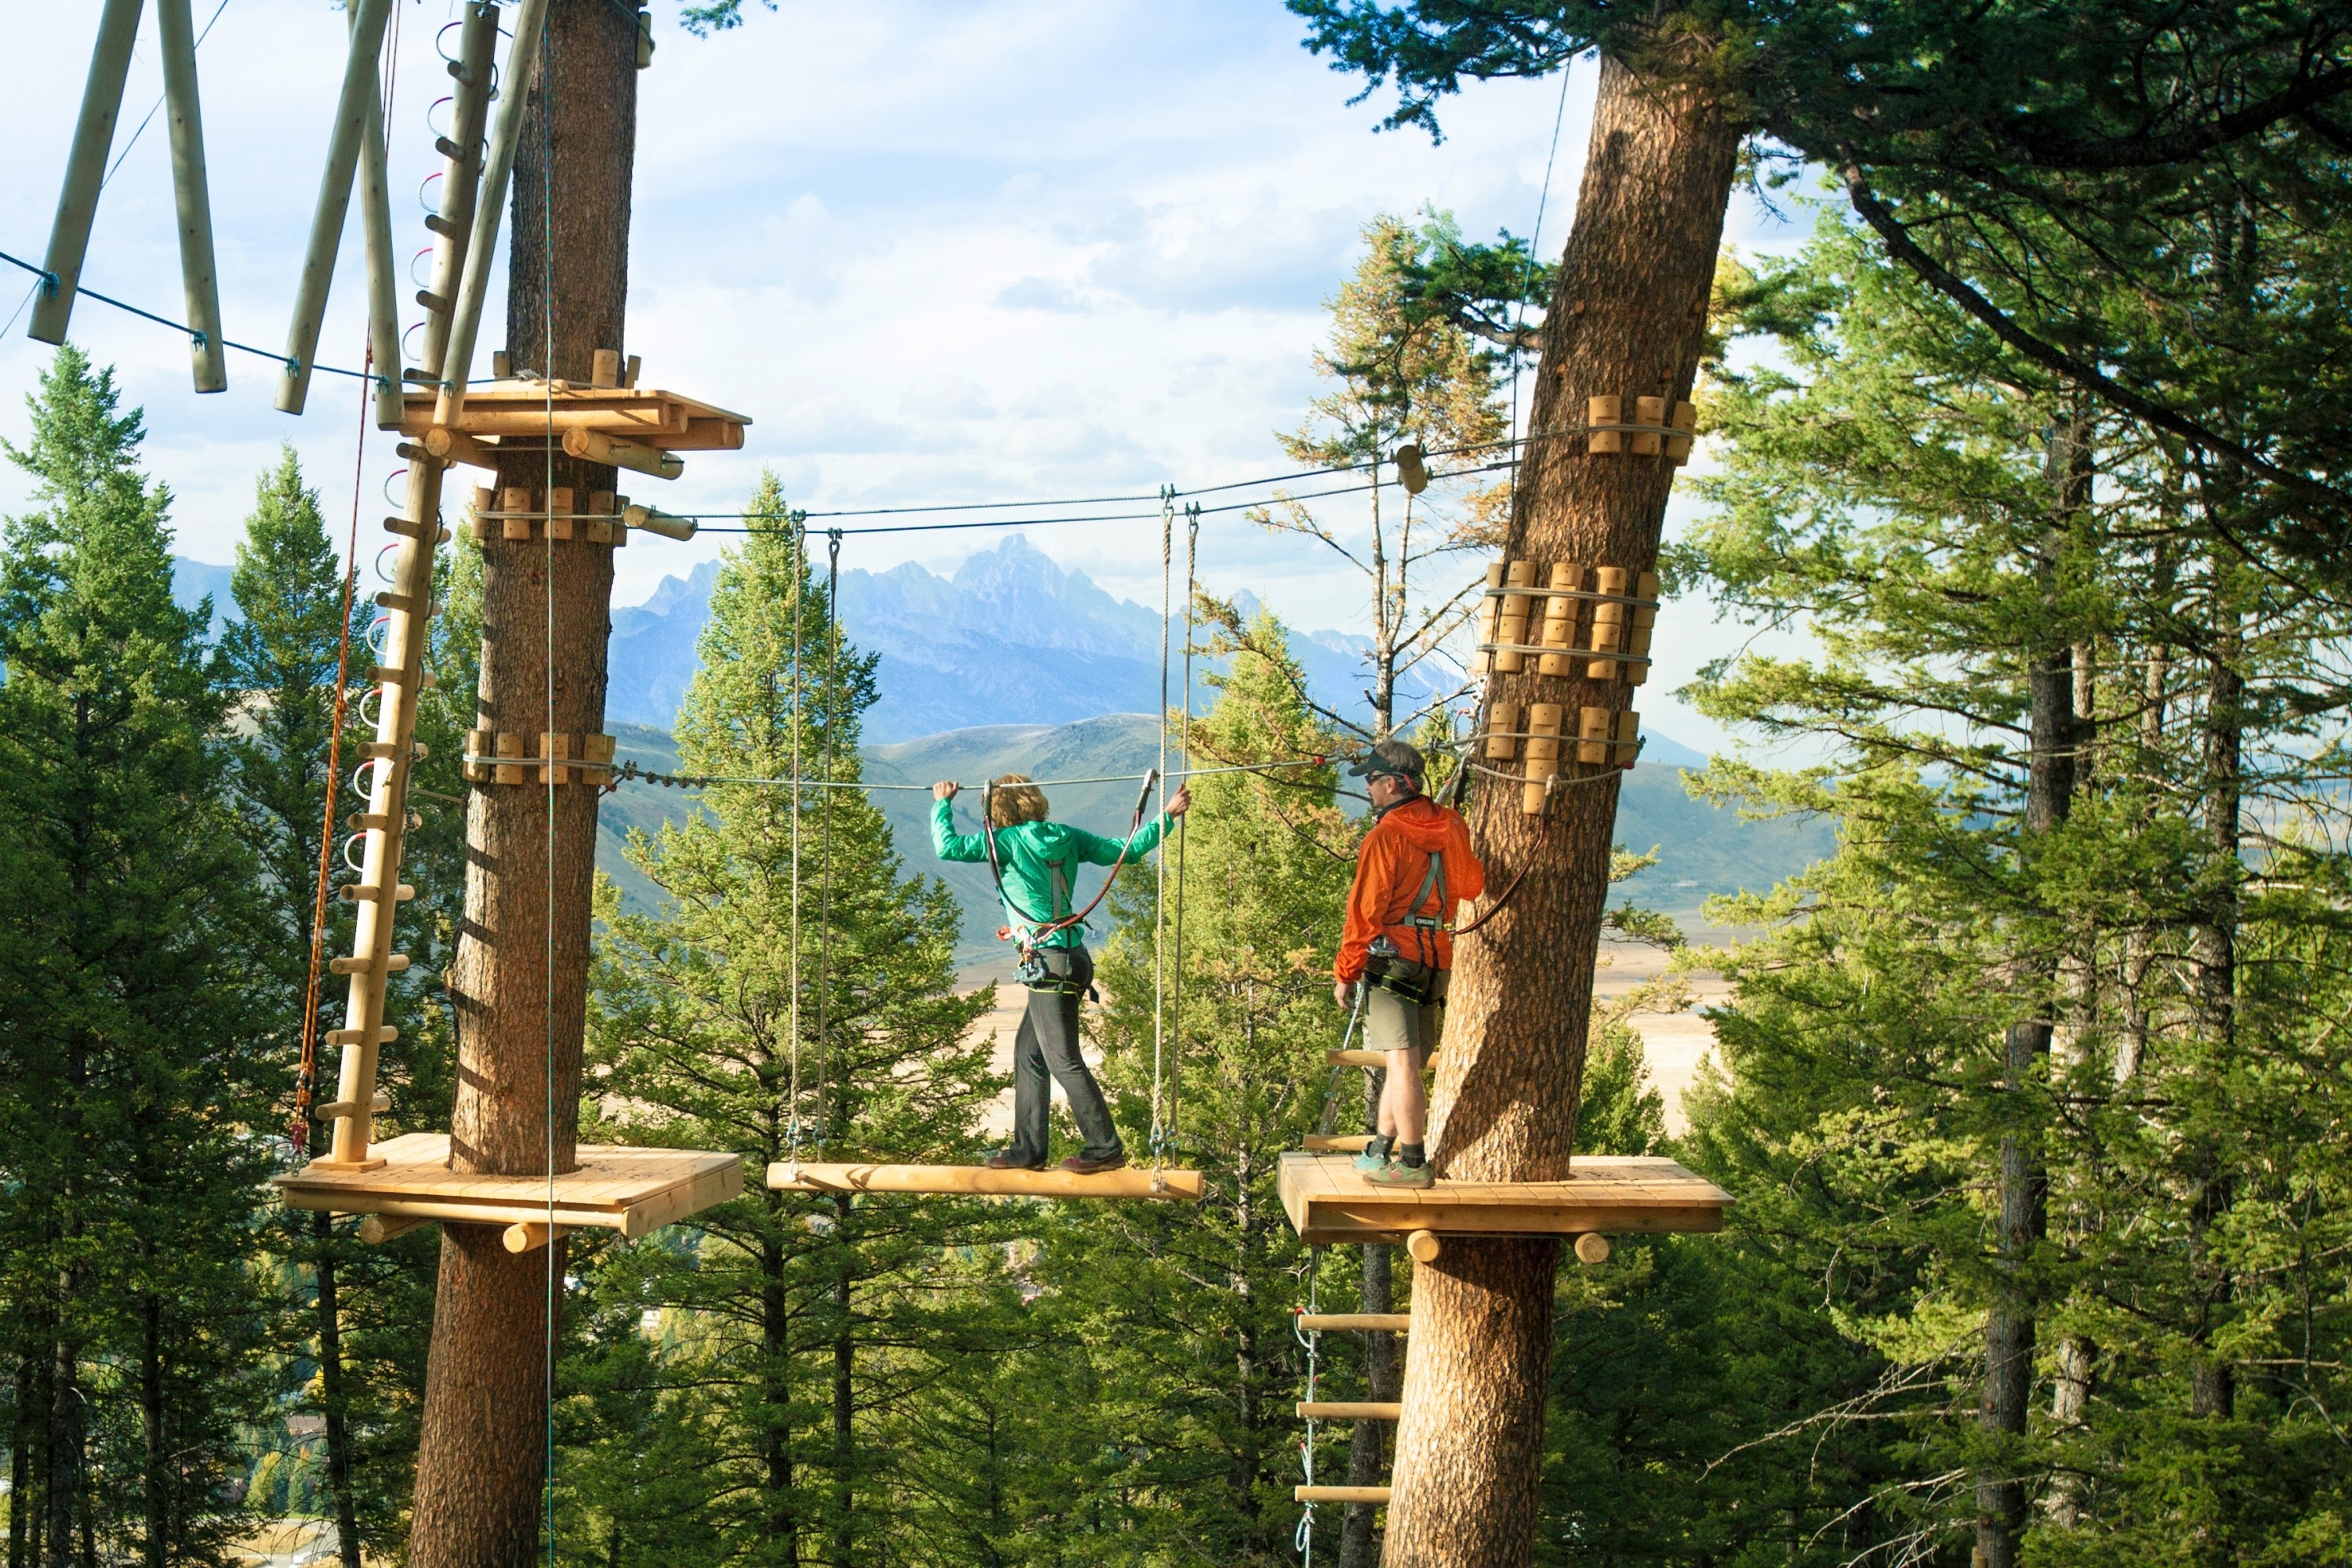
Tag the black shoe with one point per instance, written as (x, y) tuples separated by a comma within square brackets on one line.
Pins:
[(1087, 1165), (1006, 1160)]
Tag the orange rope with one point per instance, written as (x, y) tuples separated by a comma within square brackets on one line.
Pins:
[(298, 1133)]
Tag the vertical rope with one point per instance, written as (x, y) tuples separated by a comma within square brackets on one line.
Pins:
[(1159, 896), (799, 580), (1184, 743), (1303, 1540), (829, 707)]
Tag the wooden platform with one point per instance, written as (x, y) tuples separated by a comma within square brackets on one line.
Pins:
[(516, 411), (1329, 1201), (1129, 1182), (632, 1191)]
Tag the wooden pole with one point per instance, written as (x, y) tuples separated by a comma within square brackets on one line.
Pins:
[(383, 266), (519, 984), (343, 138), (470, 111), (101, 106), (1627, 319), (482, 242), (192, 194)]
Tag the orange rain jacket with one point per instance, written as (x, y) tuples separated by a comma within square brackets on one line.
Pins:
[(1390, 870)]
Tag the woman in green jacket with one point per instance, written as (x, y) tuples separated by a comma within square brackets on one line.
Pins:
[(1037, 866)]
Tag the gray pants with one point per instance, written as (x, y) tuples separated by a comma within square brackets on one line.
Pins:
[(1048, 1042)]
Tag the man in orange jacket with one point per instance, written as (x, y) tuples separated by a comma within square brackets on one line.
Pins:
[(1397, 946)]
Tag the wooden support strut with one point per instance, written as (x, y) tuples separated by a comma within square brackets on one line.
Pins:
[(1350, 1410), (1339, 1494), (1368, 1323)]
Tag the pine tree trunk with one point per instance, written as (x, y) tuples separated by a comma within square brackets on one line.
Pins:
[(774, 1424), (336, 1400), (2213, 1383), (156, 1547), (1627, 318), (845, 1398), (64, 1488), (20, 1465), (2022, 1194), (519, 984)]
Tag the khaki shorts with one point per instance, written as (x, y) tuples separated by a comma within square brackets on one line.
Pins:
[(1393, 1024)]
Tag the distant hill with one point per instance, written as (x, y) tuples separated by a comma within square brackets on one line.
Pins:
[(1702, 849)]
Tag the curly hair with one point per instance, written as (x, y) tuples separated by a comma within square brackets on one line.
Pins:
[(1012, 798)]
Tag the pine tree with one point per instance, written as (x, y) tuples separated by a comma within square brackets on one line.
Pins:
[(129, 1282), (793, 998)]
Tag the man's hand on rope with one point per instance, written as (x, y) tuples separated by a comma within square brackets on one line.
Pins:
[(1343, 994), (1181, 801), (945, 789)]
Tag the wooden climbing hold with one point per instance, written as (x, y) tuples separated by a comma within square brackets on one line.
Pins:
[(339, 1107), (1600, 413), (1559, 618), (1543, 756), (384, 1034), (393, 964), (1596, 728), (606, 371), (1502, 727), (1608, 621), (1511, 621), (1678, 447), (1648, 411), (366, 895)]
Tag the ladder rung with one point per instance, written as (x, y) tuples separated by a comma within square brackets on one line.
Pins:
[(338, 1108), (1339, 1494), (359, 895), (392, 601), (384, 1034), (1350, 1410), (1393, 1322), (1356, 1058)]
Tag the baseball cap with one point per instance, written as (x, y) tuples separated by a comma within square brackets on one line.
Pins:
[(1390, 757)]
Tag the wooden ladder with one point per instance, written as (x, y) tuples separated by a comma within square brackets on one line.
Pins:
[(407, 610)]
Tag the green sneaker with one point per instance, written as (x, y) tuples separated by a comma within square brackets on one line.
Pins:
[(1367, 1161), (1395, 1174)]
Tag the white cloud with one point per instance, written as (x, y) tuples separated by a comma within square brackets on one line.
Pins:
[(940, 251)]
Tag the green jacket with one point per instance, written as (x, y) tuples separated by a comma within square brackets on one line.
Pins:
[(1039, 861)]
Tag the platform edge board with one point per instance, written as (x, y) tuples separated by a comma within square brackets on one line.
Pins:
[(978, 1180), (1336, 1219)]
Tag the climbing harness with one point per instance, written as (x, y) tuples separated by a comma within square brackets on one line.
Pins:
[(1041, 926)]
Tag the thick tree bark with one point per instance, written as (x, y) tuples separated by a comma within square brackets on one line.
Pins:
[(519, 981), (1628, 317)]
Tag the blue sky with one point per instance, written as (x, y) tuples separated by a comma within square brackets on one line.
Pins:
[(939, 252)]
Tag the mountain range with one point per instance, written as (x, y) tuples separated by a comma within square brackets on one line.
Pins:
[(1010, 638)]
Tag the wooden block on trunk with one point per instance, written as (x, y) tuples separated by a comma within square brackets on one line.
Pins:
[(1628, 739), (1511, 624), (1595, 728), (1649, 411), (1502, 720), (1678, 447), (552, 746), (1608, 623), (1599, 412), (559, 512), (510, 745), (1560, 618)]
